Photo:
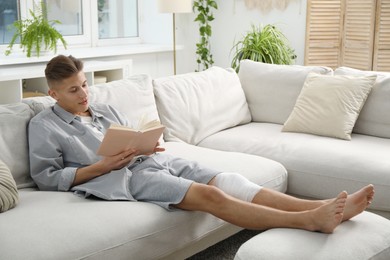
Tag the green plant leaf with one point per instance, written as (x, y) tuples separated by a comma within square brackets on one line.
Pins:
[(36, 33), (204, 8), (264, 44), (200, 18)]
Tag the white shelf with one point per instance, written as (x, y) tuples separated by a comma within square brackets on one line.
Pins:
[(19, 58), (16, 79)]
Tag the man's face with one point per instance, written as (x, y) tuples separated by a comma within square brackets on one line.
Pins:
[(72, 93)]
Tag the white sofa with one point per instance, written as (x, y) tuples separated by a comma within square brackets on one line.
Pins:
[(227, 121), (317, 166)]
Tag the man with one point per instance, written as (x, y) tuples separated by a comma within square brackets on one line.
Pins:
[(64, 139)]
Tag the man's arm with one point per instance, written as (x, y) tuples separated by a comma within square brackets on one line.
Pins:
[(46, 159)]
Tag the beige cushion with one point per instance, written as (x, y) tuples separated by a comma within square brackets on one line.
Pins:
[(8, 192), (271, 90), (374, 119), (329, 105), (14, 119), (195, 105)]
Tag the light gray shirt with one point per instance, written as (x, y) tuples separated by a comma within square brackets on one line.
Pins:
[(59, 143)]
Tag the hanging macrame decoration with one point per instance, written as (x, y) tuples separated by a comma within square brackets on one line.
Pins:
[(267, 5)]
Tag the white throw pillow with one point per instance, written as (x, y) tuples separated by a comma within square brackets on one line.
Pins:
[(14, 119), (374, 119), (196, 105), (133, 97), (9, 196), (271, 90), (329, 105)]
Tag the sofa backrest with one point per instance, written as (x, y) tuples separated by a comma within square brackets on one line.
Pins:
[(196, 105), (133, 97), (374, 118), (271, 90)]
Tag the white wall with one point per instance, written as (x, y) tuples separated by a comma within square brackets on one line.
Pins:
[(232, 21), (155, 27)]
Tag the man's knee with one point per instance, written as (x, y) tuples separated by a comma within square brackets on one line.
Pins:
[(236, 185), (202, 197)]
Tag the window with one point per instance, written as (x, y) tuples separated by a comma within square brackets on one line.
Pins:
[(69, 13), (353, 33), (8, 14), (114, 21), (83, 22)]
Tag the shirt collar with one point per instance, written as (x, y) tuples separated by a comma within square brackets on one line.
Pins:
[(94, 111), (69, 117)]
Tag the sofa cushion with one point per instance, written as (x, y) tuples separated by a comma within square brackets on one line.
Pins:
[(262, 171), (374, 119), (329, 105), (317, 166), (14, 119), (195, 105), (8, 192), (133, 97), (271, 90), (65, 225), (366, 236), (37, 104)]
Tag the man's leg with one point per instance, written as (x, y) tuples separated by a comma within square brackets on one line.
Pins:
[(208, 198), (356, 202)]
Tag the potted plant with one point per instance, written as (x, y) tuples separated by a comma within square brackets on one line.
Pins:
[(37, 33), (265, 44)]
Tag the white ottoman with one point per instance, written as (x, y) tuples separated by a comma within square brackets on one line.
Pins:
[(366, 236)]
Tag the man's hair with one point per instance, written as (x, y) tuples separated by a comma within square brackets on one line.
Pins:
[(62, 67)]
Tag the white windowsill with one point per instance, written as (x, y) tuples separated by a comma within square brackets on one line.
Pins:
[(87, 53)]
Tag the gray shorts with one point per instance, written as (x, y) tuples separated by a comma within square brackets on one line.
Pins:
[(164, 180)]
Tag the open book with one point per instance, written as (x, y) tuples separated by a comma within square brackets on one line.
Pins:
[(119, 138)]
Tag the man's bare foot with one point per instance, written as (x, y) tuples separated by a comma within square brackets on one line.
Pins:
[(328, 216), (358, 201)]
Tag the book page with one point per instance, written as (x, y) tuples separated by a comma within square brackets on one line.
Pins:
[(150, 125)]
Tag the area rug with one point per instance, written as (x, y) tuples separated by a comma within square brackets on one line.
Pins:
[(226, 249)]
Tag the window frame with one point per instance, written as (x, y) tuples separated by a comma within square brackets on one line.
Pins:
[(90, 36)]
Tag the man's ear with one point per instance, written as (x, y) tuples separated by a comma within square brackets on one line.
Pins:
[(53, 94)]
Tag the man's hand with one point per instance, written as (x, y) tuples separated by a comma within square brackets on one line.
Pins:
[(157, 149), (105, 165), (109, 163), (118, 161)]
